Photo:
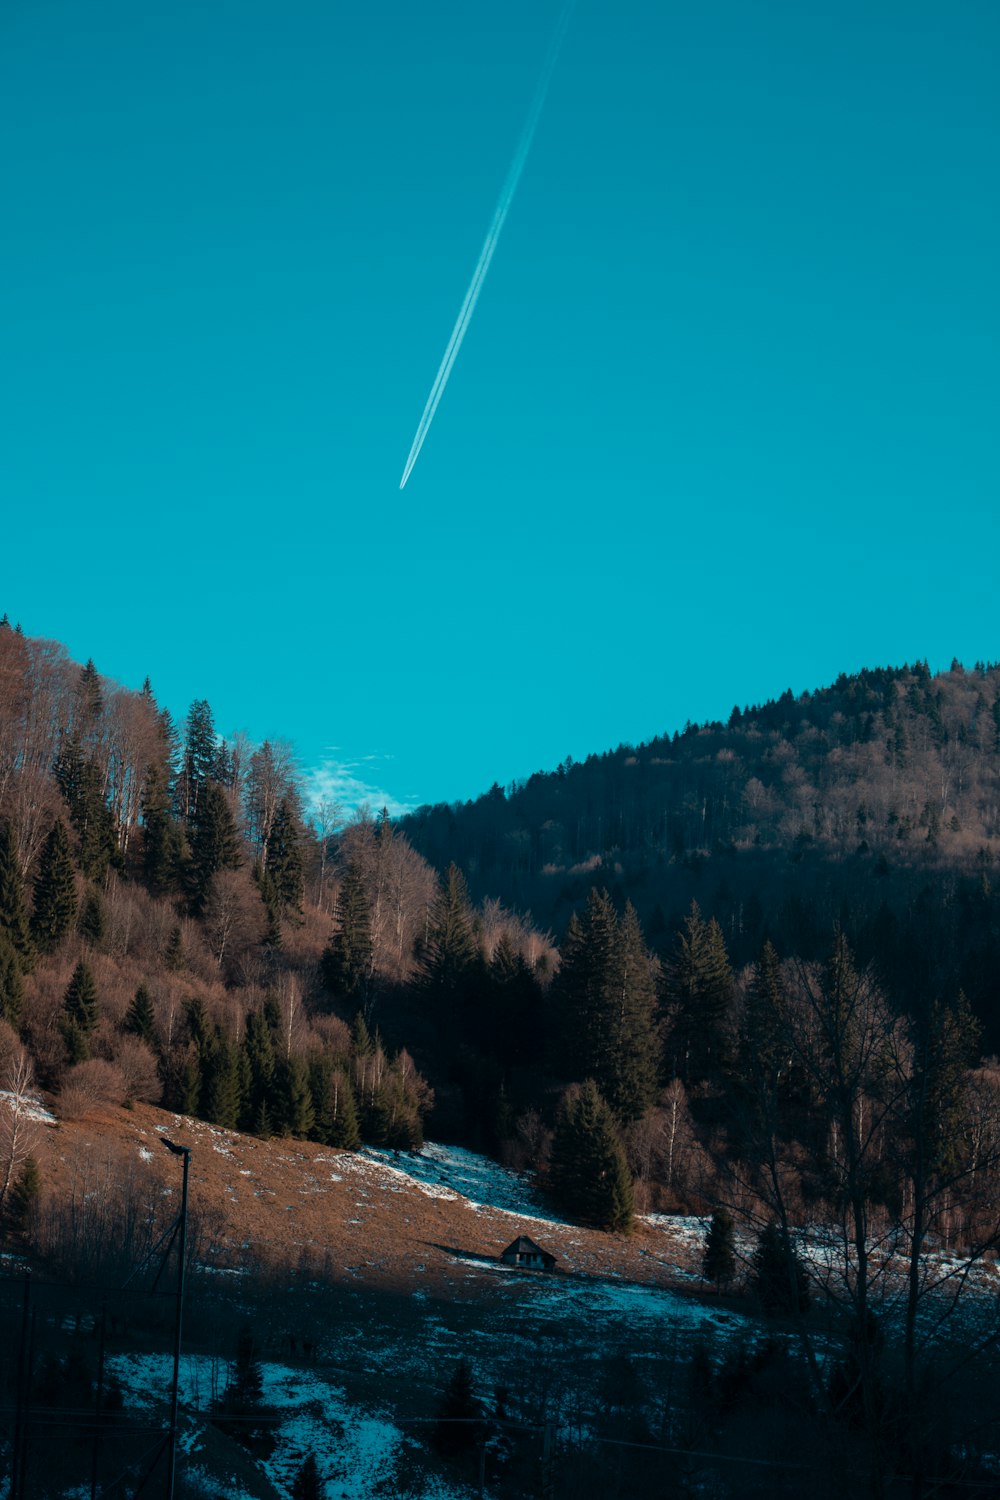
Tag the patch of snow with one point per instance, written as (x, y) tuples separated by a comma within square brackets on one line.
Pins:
[(30, 1106)]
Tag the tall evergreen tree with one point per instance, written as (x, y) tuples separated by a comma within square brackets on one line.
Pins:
[(258, 1045), (199, 758), (700, 988), (284, 859), (630, 1075), (82, 784), (718, 1263), (589, 1174), (307, 1484), (80, 1013), (450, 954), (343, 1130), (55, 891), (346, 964), (606, 1001), (140, 1020), (215, 843), (459, 1425), (11, 987), (92, 921), (163, 851), (13, 911)]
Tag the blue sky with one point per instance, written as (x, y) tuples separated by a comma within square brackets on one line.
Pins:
[(724, 423)]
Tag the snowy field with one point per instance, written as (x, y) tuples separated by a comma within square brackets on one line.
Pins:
[(358, 1451)]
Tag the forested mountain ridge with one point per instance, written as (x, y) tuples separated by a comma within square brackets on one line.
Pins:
[(866, 803), (803, 1047)]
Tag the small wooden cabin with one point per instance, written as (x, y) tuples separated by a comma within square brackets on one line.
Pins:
[(527, 1255)]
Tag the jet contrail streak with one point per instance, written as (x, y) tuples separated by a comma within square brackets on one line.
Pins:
[(490, 243)]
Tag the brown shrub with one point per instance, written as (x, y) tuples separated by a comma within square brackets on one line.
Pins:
[(88, 1085)]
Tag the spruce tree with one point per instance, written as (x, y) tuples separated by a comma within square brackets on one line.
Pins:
[(221, 1087), (284, 859), (700, 987), (294, 1113), (11, 987), (199, 758), (163, 851), (215, 843), (307, 1484), (777, 1274), (82, 784), (459, 1425), (346, 965), (589, 1173), (718, 1263), (630, 1073), (450, 953), (344, 1131), (80, 1013), (140, 1020), (258, 1045), (173, 955), (92, 923), (55, 891), (13, 912), (606, 1002), (22, 1200)]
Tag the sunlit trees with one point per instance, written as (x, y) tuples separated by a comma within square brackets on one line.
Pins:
[(55, 891)]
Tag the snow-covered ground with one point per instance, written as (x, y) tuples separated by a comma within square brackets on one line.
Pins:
[(30, 1106), (358, 1451), (453, 1172)]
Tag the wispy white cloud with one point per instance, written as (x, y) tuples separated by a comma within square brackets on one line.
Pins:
[(351, 783)]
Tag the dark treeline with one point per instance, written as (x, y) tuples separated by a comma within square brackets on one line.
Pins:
[(873, 805)]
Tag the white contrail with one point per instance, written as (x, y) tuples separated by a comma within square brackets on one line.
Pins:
[(489, 245)]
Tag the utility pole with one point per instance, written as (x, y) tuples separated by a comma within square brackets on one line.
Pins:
[(185, 1152)]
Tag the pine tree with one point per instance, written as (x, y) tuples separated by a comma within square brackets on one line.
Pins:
[(11, 987), (589, 1174), (284, 859), (173, 955), (140, 1020), (245, 1390), (80, 1013), (13, 912), (258, 1045), (22, 1200), (344, 1131), (584, 986), (82, 784), (450, 953), (55, 891), (718, 1263), (700, 986), (163, 850), (293, 1107), (777, 1274), (606, 1001), (360, 1037), (346, 964), (630, 1076), (307, 1484), (221, 1088), (215, 843), (459, 1426), (92, 923), (199, 758)]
